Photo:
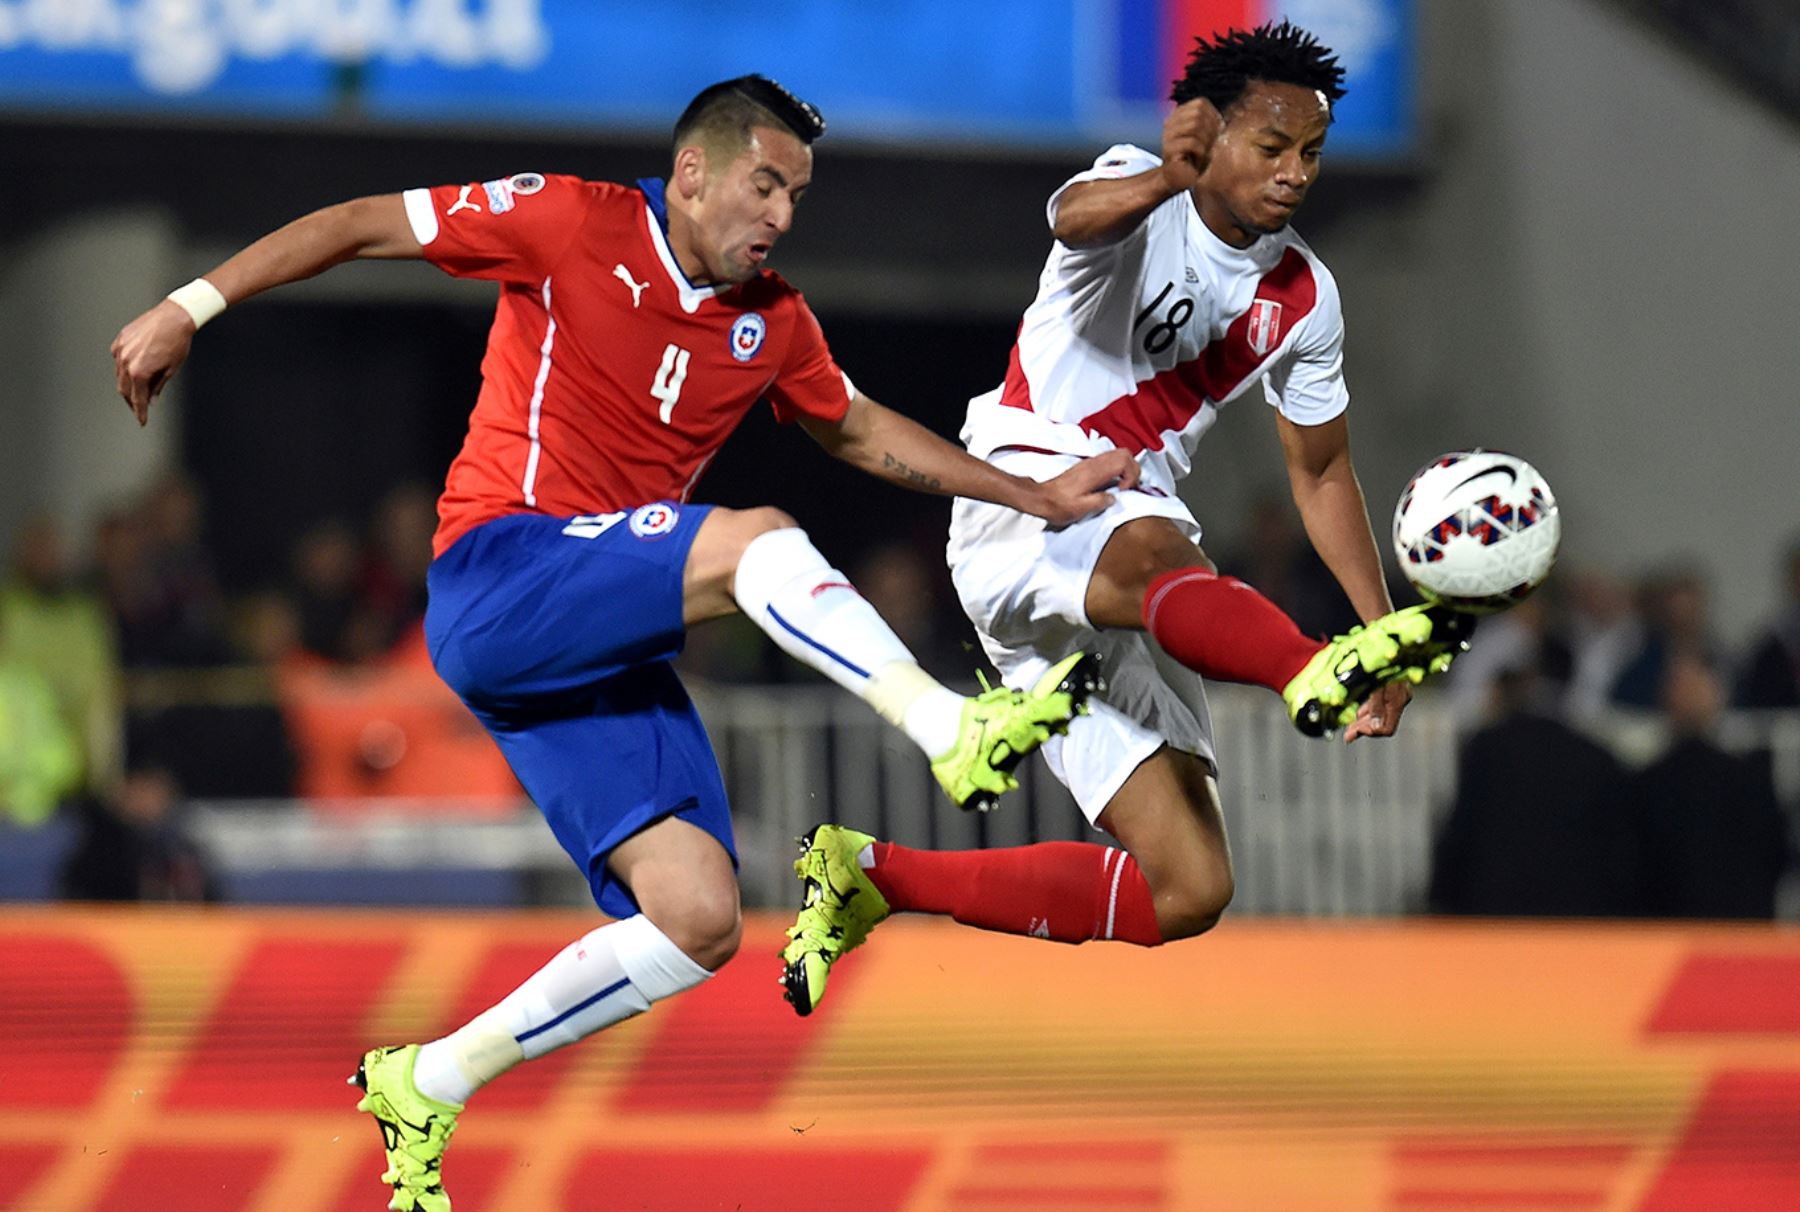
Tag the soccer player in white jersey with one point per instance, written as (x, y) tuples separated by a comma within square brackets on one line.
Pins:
[(1175, 286), (636, 326)]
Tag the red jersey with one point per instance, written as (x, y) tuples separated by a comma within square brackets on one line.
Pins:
[(609, 380)]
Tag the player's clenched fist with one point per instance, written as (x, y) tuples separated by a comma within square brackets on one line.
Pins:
[(1189, 133), (148, 351)]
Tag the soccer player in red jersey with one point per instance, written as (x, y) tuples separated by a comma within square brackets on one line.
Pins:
[(636, 325), (1175, 287)]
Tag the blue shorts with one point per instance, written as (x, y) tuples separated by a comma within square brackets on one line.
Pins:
[(558, 634)]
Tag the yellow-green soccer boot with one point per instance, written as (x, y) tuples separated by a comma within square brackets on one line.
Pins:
[(1408, 643), (840, 909), (1412, 643), (1001, 726), (414, 1129)]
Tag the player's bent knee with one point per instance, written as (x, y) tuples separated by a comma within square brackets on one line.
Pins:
[(720, 943), (1161, 552), (747, 525), (700, 916), (707, 931), (708, 581), (766, 518), (1191, 910), (1136, 554), (728, 532)]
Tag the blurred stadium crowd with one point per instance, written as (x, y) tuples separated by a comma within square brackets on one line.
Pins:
[(132, 684)]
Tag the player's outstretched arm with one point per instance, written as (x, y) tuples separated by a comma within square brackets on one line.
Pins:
[(898, 449), (1094, 213), (1330, 500), (1336, 516), (149, 350)]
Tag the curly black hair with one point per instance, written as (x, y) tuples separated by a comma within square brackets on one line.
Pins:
[(1220, 69), (731, 107)]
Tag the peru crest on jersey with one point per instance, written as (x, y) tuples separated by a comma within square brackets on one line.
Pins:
[(1264, 330)]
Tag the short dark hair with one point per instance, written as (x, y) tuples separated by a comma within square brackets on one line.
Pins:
[(724, 113), (1220, 69)]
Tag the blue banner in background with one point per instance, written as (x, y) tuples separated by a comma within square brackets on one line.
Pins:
[(1041, 72), (1374, 41)]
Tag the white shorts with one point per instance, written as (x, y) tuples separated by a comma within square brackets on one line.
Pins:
[(1024, 587)]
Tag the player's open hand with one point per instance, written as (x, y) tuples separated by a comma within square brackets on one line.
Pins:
[(1082, 490), (1380, 713), (1189, 133), (147, 353)]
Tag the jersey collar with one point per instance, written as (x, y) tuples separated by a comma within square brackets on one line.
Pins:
[(656, 208), (1264, 251)]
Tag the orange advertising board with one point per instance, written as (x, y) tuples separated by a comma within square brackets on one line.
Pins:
[(164, 1060)]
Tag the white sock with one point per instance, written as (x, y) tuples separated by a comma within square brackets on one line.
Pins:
[(914, 701), (813, 612), (603, 977)]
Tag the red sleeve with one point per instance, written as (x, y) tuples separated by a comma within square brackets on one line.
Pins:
[(511, 229), (809, 383)]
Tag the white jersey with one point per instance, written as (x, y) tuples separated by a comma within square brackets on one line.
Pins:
[(1137, 344)]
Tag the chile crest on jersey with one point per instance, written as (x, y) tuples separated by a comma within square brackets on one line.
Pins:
[(747, 333)]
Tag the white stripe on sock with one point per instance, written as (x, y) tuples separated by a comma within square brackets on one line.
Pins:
[(1112, 901)]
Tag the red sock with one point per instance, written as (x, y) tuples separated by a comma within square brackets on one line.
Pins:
[(1067, 891), (1223, 629)]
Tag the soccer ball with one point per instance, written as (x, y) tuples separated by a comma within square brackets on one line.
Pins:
[(1476, 530)]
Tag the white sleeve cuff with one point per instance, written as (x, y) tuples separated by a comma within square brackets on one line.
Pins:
[(422, 214), (1119, 160)]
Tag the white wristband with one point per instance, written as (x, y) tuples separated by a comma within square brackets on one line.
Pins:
[(200, 299)]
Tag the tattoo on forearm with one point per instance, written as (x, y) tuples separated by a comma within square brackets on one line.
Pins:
[(915, 478)]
